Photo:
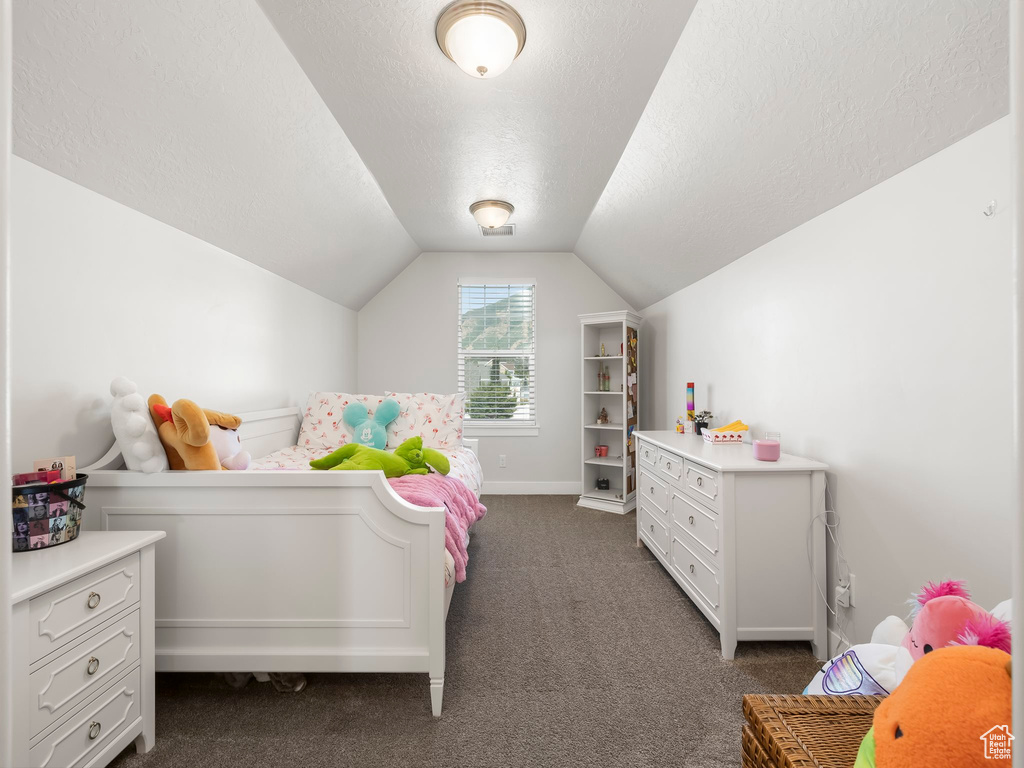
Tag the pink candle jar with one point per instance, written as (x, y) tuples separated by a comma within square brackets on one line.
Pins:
[(604, 450), (768, 449)]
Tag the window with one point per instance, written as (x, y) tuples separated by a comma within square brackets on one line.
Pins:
[(496, 354)]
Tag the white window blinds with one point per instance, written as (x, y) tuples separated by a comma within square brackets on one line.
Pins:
[(497, 323)]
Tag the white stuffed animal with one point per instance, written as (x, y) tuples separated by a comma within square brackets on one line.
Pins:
[(134, 430), (229, 448)]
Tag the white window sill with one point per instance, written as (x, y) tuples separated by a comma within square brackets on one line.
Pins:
[(493, 430)]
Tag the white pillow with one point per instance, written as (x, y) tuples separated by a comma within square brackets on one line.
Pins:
[(435, 418), (134, 429), (322, 426)]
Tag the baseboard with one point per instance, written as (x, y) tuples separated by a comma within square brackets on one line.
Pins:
[(567, 488)]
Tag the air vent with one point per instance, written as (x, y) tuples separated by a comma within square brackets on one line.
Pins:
[(506, 231)]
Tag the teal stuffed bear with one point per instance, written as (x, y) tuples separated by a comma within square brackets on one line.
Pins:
[(410, 458), (368, 430)]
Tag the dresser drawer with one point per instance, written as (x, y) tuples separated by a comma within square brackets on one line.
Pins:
[(63, 614), (654, 490), (670, 465), (700, 522), (653, 530), (73, 677), (648, 455), (702, 484), (694, 571), (78, 740)]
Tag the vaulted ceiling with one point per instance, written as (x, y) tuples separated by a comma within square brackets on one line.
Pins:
[(331, 141)]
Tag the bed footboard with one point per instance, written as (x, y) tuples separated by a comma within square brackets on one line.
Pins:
[(286, 572)]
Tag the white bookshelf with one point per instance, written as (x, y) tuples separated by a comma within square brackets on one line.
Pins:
[(622, 402)]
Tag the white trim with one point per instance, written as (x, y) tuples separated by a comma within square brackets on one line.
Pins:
[(492, 430), (551, 488), (6, 651), (1017, 268)]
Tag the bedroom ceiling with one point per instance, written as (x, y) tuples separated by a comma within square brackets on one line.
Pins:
[(768, 114), (266, 128), (545, 135), (195, 113)]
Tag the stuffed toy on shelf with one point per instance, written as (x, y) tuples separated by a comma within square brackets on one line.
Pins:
[(953, 710), (410, 458), (196, 438)]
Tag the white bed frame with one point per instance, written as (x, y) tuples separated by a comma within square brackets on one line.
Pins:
[(284, 571)]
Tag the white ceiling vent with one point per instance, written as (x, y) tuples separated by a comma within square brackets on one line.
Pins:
[(505, 231)]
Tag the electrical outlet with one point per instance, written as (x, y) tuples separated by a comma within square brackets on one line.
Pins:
[(501, 460), (842, 595), (853, 590)]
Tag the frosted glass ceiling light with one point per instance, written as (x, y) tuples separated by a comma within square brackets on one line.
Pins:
[(482, 36), (491, 214)]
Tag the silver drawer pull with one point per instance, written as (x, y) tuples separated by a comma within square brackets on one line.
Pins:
[(691, 568), (652, 490), (94, 600), (652, 529), (94, 730), (700, 480), (691, 519), (93, 666), (667, 465)]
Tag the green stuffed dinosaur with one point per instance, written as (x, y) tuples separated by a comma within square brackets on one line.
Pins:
[(410, 458)]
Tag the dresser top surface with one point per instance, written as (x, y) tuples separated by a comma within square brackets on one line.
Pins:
[(37, 571), (735, 457)]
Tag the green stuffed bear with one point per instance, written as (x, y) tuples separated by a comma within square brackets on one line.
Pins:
[(410, 458)]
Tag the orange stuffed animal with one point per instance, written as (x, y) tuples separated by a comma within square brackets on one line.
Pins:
[(184, 430), (952, 710)]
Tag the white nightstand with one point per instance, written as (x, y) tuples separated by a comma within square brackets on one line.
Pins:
[(83, 649)]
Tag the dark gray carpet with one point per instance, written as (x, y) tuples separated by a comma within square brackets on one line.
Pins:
[(567, 646)]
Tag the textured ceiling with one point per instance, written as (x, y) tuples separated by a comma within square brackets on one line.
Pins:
[(545, 135), (195, 113), (769, 113)]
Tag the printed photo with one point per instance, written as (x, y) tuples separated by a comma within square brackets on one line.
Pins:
[(20, 501), (21, 544), (57, 525), (38, 512), (39, 498), (38, 527), (21, 527), (38, 542), (61, 508), (57, 538)]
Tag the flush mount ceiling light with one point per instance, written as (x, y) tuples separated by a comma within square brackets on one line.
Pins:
[(482, 36), (491, 214)]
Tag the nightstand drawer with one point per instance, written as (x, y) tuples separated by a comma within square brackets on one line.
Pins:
[(83, 736), (70, 679), (700, 522), (702, 484), (62, 614)]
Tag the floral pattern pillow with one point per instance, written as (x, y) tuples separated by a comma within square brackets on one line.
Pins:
[(435, 418), (322, 427)]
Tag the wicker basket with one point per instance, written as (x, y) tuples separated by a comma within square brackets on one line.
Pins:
[(45, 515), (805, 731)]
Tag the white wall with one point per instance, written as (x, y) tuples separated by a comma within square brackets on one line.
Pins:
[(417, 316), (101, 290), (875, 337)]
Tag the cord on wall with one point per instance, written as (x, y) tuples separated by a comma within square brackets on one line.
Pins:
[(842, 564)]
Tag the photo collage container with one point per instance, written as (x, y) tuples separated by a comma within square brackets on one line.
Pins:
[(47, 515)]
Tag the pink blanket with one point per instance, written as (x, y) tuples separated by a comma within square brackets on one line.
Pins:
[(464, 509)]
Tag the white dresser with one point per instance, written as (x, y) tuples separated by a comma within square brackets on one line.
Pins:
[(745, 539), (83, 629)]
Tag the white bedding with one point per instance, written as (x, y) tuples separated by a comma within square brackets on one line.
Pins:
[(465, 464)]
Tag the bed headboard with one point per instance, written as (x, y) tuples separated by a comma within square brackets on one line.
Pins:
[(262, 433)]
